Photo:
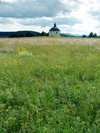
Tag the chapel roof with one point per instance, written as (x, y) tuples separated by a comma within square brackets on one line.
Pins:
[(54, 28)]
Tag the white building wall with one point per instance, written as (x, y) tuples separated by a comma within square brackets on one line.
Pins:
[(54, 33)]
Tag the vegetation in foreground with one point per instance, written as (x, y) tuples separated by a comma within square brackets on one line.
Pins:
[(49, 85)]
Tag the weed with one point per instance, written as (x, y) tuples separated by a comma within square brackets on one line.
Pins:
[(49, 85)]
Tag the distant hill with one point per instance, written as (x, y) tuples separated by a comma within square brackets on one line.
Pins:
[(70, 35), (7, 34)]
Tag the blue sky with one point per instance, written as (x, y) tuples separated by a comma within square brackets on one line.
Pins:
[(71, 16)]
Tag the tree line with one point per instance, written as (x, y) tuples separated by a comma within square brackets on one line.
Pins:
[(28, 34), (92, 35), (31, 34)]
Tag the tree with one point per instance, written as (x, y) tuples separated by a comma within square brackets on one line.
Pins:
[(29, 34), (91, 34), (44, 34), (95, 35), (21, 35), (38, 34), (13, 35), (84, 36), (47, 34)]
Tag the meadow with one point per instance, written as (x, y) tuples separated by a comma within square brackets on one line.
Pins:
[(49, 85)]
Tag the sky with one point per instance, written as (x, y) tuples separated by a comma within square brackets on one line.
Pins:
[(71, 16)]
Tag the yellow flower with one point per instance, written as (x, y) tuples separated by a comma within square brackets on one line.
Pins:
[(6, 64), (18, 48), (58, 66), (15, 61), (23, 48)]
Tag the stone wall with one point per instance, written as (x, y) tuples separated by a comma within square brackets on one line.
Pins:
[(54, 33)]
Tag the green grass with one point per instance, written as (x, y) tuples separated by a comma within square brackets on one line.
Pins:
[(49, 88)]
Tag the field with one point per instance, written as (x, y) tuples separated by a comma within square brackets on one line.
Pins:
[(49, 85)]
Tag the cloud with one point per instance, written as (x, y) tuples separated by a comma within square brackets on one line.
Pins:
[(5, 21), (75, 16), (49, 22), (94, 10), (36, 8), (67, 21), (95, 14)]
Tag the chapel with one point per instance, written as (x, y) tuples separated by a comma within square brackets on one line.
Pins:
[(54, 31)]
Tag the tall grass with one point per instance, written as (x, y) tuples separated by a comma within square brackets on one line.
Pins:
[(49, 85)]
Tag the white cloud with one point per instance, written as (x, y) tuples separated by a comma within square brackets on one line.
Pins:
[(9, 1), (73, 16)]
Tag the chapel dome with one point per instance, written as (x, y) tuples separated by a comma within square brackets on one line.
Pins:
[(54, 28)]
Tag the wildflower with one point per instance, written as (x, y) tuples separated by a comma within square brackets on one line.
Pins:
[(6, 64), (58, 66), (23, 48), (18, 48), (25, 53), (15, 61)]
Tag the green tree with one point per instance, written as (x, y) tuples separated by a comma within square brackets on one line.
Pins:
[(29, 34), (95, 35), (13, 35), (44, 34), (84, 36), (91, 34), (47, 34), (38, 34), (21, 35)]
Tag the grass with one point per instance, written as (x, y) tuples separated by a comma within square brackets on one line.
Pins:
[(50, 85)]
